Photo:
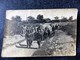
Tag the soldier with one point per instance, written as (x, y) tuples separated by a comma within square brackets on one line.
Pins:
[(29, 36), (56, 27), (53, 30), (46, 32), (38, 36)]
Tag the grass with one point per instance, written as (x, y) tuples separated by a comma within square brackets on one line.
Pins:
[(70, 29)]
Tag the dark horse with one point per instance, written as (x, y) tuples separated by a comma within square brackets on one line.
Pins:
[(38, 36), (41, 35)]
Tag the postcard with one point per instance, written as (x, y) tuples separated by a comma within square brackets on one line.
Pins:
[(40, 33)]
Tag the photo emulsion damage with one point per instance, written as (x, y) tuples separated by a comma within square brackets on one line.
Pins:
[(40, 32)]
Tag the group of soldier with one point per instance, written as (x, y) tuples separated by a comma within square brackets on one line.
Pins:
[(38, 34)]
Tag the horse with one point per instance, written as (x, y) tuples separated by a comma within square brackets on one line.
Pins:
[(37, 34)]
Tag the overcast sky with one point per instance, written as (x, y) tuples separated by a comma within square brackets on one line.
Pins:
[(47, 13)]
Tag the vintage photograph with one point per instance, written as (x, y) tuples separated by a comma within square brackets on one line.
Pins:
[(40, 33)]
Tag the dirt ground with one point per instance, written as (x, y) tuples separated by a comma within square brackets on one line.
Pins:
[(60, 44)]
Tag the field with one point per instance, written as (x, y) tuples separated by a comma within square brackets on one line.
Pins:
[(63, 43)]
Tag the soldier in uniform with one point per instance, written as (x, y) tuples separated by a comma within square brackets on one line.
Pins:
[(53, 30), (46, 32), (29, 36), (38, 36)]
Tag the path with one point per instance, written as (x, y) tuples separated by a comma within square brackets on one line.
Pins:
[(59, 38)]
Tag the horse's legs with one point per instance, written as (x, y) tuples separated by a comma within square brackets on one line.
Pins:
[(27, 43), (30, 42), (38, 42)]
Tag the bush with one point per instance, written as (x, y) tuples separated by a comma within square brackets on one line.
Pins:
[(70, 29)]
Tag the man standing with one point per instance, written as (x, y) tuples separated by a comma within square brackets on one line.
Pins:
[(29, 36)]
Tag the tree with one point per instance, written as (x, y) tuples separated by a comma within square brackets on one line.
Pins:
[(18, 18), (40, 17), (64, 19), (48, 20), (70, 18), (30, 19), (13, 18), (56, 18), (16, 23)]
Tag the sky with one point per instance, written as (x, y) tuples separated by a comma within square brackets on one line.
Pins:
[(47, 13)]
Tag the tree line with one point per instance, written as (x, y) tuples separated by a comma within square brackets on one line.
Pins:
[(41, 19)]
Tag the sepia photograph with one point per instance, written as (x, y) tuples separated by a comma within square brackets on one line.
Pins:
[(40, 33)]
